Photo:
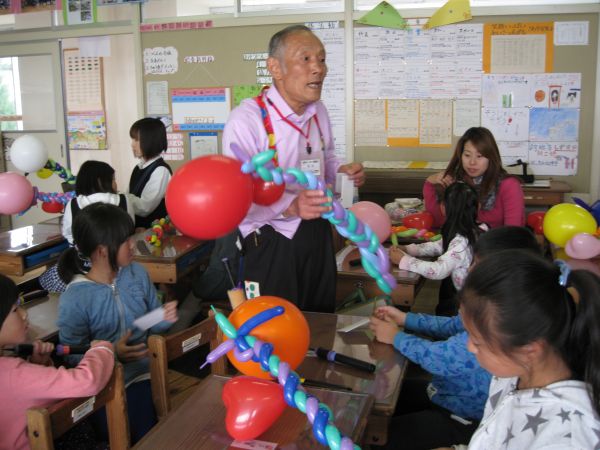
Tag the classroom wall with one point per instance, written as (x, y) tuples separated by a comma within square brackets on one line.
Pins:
[(228, 44)]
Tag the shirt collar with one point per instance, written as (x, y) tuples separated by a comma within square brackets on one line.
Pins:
[(274, 95), (143, 164)]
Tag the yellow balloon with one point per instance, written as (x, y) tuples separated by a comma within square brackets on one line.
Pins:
[(44, 173), (565, 220)]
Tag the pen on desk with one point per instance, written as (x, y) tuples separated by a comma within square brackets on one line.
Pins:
[(325, 384), (332, 356)]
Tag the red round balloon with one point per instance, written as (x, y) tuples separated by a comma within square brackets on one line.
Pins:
[(535, 221), (267, 192), (209, 196), (52, 207), (418, 220)]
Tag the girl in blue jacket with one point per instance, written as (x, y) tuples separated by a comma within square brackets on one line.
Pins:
[(106, 293)]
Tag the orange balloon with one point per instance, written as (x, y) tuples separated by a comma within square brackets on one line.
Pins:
[(288, 333)]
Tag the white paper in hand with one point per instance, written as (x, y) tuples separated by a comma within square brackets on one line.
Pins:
[(149, 320)]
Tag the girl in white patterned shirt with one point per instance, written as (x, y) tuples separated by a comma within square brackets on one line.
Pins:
[(455, 249)]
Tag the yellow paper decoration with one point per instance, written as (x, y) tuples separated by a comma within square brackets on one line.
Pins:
[(452, 12)]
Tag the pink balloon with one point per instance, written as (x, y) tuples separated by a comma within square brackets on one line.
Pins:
[(16, 193), (583, 246), (375, 216)]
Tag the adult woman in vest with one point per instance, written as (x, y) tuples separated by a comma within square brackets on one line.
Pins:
[(149, 179)]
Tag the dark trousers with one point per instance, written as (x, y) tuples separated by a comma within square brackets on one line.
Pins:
[(301, 270), (140, 409), (419, 424), (447, 304)]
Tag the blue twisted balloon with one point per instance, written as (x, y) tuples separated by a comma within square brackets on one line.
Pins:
[(374, 257), (246, 347)]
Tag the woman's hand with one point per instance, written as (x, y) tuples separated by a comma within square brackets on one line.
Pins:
[(128, 353), (384, 331), (390, 314), (41, 353), (439, 178), (171, 311), (396, 255)]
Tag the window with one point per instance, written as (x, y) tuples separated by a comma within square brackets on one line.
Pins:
[(11, 117)]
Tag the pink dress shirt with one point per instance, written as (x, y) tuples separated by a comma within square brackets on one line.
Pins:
[(508, 209), (245, 127)]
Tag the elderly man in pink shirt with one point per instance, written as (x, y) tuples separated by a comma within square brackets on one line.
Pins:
[(288, 247)]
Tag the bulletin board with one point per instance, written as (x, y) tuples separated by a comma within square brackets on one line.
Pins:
[(213, 58)]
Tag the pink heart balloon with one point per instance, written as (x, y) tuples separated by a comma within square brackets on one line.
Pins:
[(583, 246), (253, 405)]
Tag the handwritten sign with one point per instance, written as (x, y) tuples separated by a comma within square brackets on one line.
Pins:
[(160, 60)]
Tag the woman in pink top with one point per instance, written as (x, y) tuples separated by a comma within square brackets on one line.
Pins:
[(476, 161), (35, 383)]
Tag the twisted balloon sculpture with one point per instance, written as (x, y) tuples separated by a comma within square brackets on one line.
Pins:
[(374, 257), (247, 347), (61, 171)]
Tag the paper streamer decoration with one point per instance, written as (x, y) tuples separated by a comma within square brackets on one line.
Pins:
[(374, 257), (246, 347)]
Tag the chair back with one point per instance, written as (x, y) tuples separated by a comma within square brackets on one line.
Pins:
[(44, 425), (167, 348)]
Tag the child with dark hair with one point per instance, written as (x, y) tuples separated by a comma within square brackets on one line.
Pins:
[(95, 183), (108, 291), (541, 344), (36, 382), (454, 250), (149, 179), (453, 401)]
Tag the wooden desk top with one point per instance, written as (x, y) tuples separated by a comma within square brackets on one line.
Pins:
[(42, 314), (384, 384), (191, 426), (172, 248), (32, 238)]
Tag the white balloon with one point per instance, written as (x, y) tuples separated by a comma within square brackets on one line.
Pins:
[(28, 153)]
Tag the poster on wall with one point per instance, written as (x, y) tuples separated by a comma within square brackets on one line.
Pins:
[(86, 130), (200, 109), (79, 12)]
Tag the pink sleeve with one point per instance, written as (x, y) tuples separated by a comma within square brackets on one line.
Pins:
[(513, 202), (431, 204), (43, 382)]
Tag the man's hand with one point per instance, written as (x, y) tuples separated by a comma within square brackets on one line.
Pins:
[(308, 205), (355, 172)]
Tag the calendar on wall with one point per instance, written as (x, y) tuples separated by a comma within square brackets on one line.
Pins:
[(84, 91)]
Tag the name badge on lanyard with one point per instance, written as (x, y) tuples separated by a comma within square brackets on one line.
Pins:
[(311, 165)]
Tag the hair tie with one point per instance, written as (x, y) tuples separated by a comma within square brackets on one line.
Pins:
[(565, 270)]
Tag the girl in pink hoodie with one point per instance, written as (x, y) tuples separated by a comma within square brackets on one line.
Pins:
[(37, 383)]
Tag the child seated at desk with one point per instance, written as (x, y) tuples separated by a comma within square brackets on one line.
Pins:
[(95, 183), (541, 343), (453, 401), (36, 382), (107, 293), (454, 250)]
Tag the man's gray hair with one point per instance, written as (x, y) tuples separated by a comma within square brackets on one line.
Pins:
[(278, 39)]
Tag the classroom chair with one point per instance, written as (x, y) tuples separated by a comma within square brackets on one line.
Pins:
[(167, 348), (46, 424)]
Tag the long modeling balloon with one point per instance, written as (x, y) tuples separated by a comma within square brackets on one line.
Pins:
[(246, 347), (374, 257)]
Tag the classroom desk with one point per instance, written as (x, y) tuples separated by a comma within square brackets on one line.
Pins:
[(24, 249), (384, 384), (176, 257), (384, 185), (199, 423), (349, 279), (42, 314)]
